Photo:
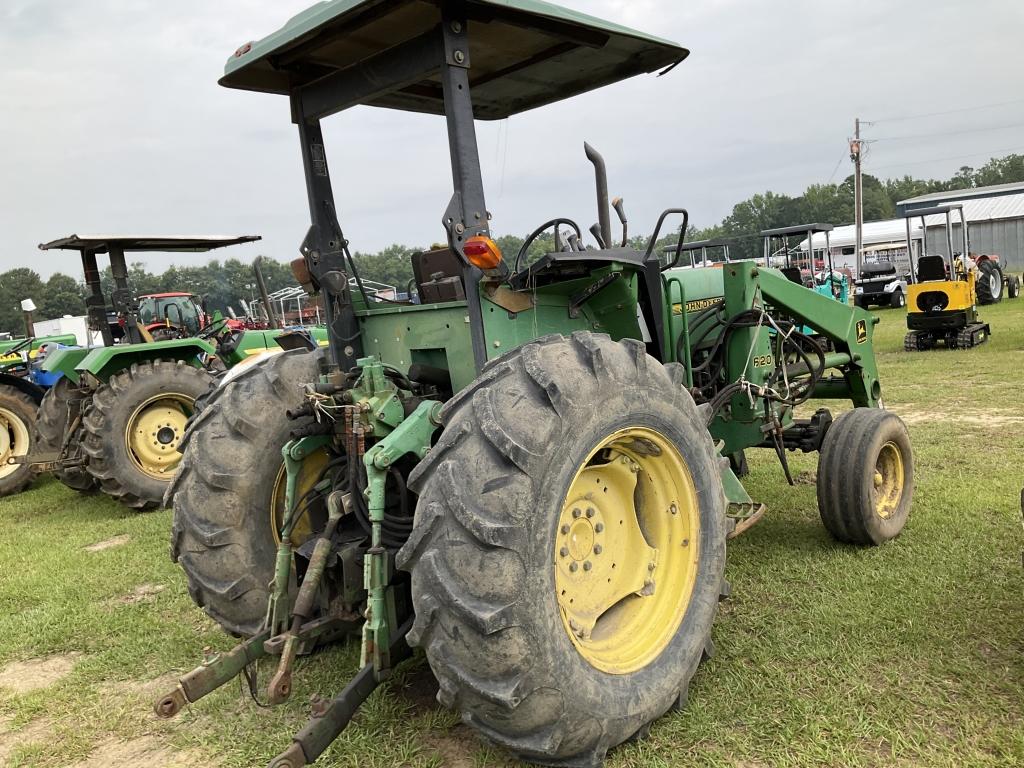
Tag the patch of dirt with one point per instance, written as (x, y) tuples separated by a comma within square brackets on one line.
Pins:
[(456, 748), (968, 417), (116, 541), (35, 731), (144, 752), (140, 691), (26, 676), (419, 689), (143, 593), (806, 477)]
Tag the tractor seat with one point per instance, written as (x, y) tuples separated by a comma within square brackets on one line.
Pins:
[(438, 276), (793, 275), (931, 268)]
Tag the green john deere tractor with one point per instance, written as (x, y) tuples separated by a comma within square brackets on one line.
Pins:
[(21, 392), (116, 415), (528, 474)]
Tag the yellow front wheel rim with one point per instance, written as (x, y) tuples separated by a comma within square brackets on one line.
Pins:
[(154, 433), (888, 480), (310, 474), (626, 550), (14, 440)]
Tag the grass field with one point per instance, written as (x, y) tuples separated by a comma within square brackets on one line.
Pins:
[(907, 654)]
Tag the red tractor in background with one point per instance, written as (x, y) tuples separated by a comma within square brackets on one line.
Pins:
[(176, 315), (993, 283)]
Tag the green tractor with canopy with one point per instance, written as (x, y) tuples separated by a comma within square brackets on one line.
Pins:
[(115, 417), (528, 476)]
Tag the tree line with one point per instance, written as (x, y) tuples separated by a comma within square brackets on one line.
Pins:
[(222, 284)]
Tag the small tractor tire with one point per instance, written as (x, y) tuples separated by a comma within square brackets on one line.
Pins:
[(989, 283), (495, 550), (865, 477), (17, 419), (52, 423), (223, 493), (1012, 287), (898, 300), (133, 426)]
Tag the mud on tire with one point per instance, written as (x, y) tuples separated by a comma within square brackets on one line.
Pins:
[(481, 554), (222, 494)]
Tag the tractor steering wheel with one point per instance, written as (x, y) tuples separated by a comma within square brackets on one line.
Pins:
[(213, 329), (538, 232)]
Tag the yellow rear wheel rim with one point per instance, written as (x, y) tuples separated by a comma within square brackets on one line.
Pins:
[(888, 480), (154, 433), (626, 550), (14, 440), (309, 475)]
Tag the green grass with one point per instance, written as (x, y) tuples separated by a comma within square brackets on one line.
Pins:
[(906, 654)]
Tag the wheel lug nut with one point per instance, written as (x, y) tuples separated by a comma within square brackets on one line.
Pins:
[(587, 566), (590, 511), (574, 566), (565, 528), (599, 527), (563, 551), (597, 549), (577, 512)]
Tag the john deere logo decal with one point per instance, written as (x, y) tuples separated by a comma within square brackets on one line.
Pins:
[(696, 305), (862, 331)]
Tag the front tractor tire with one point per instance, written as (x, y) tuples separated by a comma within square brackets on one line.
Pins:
[(865, 477), (229, 485), (568, 553), (132, 428), (60, 410), (17, 430)]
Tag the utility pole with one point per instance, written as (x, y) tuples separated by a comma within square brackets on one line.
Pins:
[(858, 193)]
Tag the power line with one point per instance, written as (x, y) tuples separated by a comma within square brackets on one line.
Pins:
[(945, 112), (990, 152), (839, 162), (950, 133)]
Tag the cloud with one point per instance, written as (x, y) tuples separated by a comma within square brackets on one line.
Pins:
[(113, 120)]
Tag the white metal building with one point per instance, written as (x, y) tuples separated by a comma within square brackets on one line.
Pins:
[(995, 221), (886, 239)]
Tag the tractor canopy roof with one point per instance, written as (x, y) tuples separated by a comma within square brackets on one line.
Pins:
[(167, 295), (524, 53), (796, 229), (102, 243)]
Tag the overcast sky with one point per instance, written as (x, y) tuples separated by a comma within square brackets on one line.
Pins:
[(111, 120)]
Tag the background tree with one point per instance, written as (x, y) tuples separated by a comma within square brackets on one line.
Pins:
[(16, 285)]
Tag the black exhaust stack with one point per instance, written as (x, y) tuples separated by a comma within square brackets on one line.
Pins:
[(601, 175)]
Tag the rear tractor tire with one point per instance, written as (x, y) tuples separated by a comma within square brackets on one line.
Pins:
[(133, 426), (865, 477), (229, 487), (60, 406), (990, 283), (17, 438), (569, 547)]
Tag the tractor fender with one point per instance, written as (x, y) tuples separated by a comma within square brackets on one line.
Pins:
[(103, 362), (23, 385), (249, 362)]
